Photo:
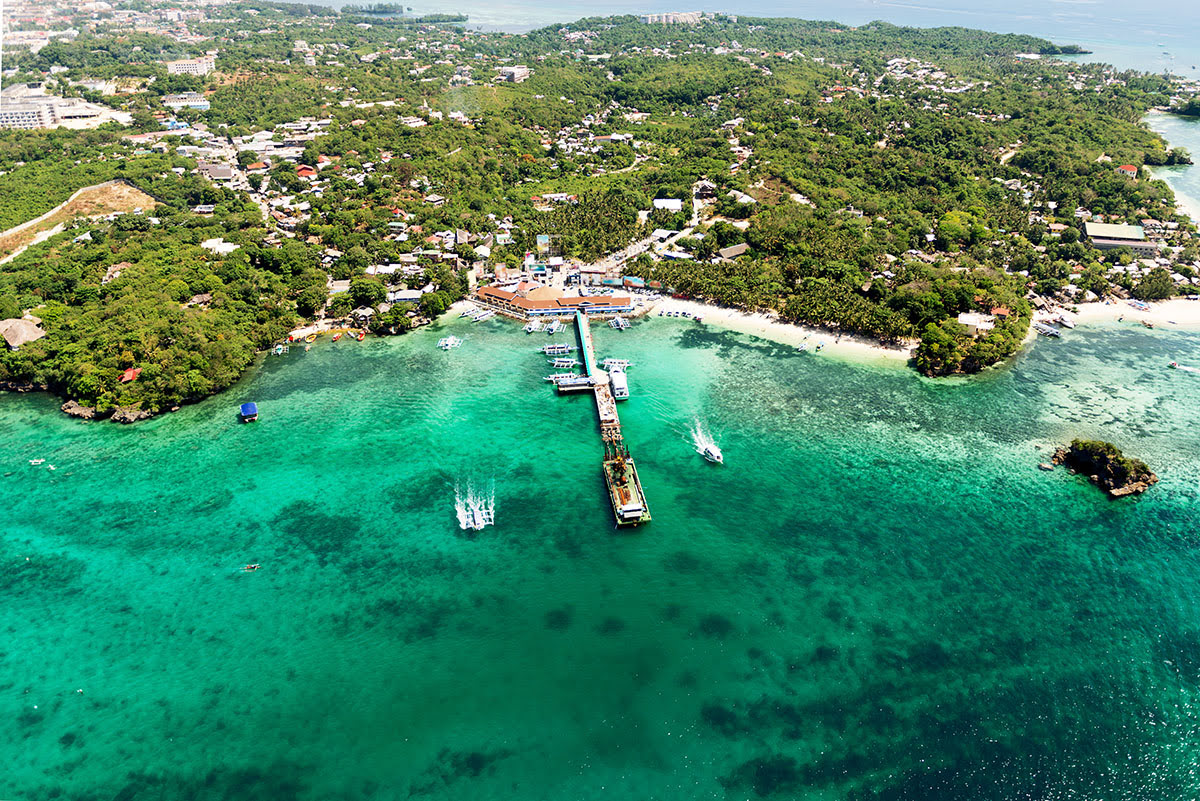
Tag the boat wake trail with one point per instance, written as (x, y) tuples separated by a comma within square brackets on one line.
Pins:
[(475, 508), (704, 443), (1187, 369)]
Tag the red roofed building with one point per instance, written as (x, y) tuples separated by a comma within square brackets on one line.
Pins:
[(516, 305), (304, 171), (257, 166), (1128, 169), (1001, 311)]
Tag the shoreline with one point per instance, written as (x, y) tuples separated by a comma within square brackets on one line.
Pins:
[(1174, 314), (773, 329)]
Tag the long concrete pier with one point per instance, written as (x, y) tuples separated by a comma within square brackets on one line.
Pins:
[(620, 473)]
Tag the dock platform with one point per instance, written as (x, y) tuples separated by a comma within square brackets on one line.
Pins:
[(620, 473)]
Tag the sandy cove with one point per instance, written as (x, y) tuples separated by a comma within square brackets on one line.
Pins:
[(1175, 313), (775, 330)]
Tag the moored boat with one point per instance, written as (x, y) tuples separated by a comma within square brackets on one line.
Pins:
[(337, 336), (311, 338), (248, 412)]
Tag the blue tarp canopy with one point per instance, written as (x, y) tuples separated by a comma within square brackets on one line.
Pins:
[(249, 409)]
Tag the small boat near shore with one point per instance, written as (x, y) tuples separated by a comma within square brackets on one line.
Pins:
[(554, 327), (337, 336), (311, 338), (618, 323), (1064, 321), (533, 326), (1046, 330)]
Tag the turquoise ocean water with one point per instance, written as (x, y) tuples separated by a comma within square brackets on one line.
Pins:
[(878, 596)]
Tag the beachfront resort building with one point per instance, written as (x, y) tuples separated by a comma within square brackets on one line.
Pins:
[(1106, 236), (529, 300)]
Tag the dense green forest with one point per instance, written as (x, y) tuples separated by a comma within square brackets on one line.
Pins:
[(884, 179)]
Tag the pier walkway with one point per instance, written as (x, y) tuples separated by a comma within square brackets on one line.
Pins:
[(620, 473)]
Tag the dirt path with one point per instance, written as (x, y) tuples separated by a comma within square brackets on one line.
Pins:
[(90, 201)]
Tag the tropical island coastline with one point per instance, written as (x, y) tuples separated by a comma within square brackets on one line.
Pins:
[(928, 201)]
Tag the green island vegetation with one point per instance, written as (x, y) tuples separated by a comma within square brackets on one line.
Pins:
[(1107, 467), (879, 181)]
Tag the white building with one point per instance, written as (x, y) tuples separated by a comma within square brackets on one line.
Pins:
[(515, 74), (192, 66)]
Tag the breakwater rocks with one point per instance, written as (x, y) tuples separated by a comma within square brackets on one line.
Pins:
[(1106, 467)]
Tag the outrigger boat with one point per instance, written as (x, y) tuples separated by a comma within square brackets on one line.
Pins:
[(564, 362), (554, 378), (619, 323), (554, 327), (617, 364), (558, 348), (532, 327), (446, 343)]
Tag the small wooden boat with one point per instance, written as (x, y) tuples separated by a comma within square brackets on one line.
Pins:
[(251, 568), (311, 338), (361, 336), (337, 336)]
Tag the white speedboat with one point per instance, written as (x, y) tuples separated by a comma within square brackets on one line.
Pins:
[(712, 453)]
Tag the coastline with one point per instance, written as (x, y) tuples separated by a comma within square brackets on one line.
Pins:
[(1185, 204), (771, 328), (1176, 313)]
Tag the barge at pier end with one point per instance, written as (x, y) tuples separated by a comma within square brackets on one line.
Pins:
[(620, 473)]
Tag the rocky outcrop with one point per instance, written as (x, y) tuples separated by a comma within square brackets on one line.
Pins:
[(1106, 467), (21, 386), (76, 409), (127, 415)]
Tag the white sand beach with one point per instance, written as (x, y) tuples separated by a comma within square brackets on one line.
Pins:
[(1175, 313), (773, 329)]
